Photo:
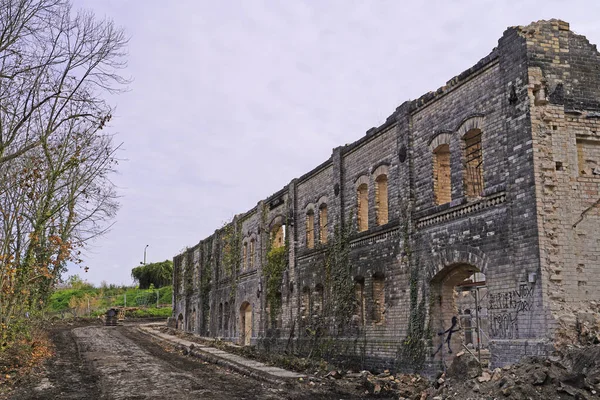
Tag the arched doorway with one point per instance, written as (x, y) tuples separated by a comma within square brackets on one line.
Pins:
[(245, 323), (457, 310), (180, 321)]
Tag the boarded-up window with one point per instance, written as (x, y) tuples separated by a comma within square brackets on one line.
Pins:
[(378, 298), (588, 157), (381, 199), (251, 259), (362, 195), (310, 229), (323, 223), (278, 236), (442, 183), (473, 178)]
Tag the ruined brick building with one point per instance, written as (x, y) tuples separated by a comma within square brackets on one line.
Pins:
[(480, 200)]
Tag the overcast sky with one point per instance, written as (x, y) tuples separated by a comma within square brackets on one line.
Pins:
[(232, 100)]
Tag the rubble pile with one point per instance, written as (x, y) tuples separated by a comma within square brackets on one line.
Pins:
[(574, 375), (385, 384)]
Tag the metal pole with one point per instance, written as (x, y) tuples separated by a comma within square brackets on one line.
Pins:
[(145, 254), (477, 323), (125, 300), (157, 299), (442, 354)]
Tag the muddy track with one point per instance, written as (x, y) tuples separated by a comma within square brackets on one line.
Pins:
[(121, 363), (67, 375)]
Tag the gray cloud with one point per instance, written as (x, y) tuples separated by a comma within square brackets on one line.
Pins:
[(231, 100)]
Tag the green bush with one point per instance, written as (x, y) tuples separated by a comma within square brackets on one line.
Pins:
[(102, 298)]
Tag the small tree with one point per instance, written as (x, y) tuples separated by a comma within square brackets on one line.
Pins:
[(158, 274)]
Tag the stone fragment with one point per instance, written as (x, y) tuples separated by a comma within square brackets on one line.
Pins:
[(377, 388), (539, 377), (485, 377)]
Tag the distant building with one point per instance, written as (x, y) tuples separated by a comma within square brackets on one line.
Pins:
[(480, 200)]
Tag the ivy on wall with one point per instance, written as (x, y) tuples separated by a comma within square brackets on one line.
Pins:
[(338, 280), (413, 351), (273, 273), (231, 257), (205, 282)]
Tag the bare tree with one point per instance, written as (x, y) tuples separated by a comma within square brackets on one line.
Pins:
[(48, 61), (55, 157)]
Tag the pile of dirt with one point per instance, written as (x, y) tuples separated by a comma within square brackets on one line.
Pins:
[(574, 375), (400, 386), (579, 327)]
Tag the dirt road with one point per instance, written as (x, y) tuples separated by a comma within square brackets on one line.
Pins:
[(98, 362)]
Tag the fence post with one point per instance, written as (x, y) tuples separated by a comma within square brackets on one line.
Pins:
[(157, 298)]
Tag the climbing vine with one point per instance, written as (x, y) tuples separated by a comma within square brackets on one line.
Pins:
[(231, 252), (205, 281), (414, 347), (338, 279), (273, 273), (188, 273)]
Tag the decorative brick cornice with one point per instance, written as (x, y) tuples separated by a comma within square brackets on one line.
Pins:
[(456, 212), (375, 238)]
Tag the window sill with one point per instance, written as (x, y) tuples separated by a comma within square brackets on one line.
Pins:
[(245, 274), (436, 216), (375, 230), (464, 200), (305, 252)]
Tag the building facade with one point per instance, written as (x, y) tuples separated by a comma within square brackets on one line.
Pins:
[(479, 201)]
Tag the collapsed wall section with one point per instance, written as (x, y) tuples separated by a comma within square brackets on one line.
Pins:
[(564, 98)]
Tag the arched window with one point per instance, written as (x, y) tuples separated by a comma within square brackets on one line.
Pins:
[(381, 199), (362, 199), (245, 256), (442, 181), (378, 298), (473, 163), (323, 223), (251, 259), (310, 229), (278, 236)]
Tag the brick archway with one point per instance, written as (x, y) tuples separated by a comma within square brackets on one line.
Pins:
[(457, 255), (449, 270)]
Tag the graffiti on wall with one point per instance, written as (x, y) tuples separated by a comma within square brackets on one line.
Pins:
[(505, 308)]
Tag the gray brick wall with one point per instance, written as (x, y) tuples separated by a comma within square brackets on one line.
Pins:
[(533, 98)]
